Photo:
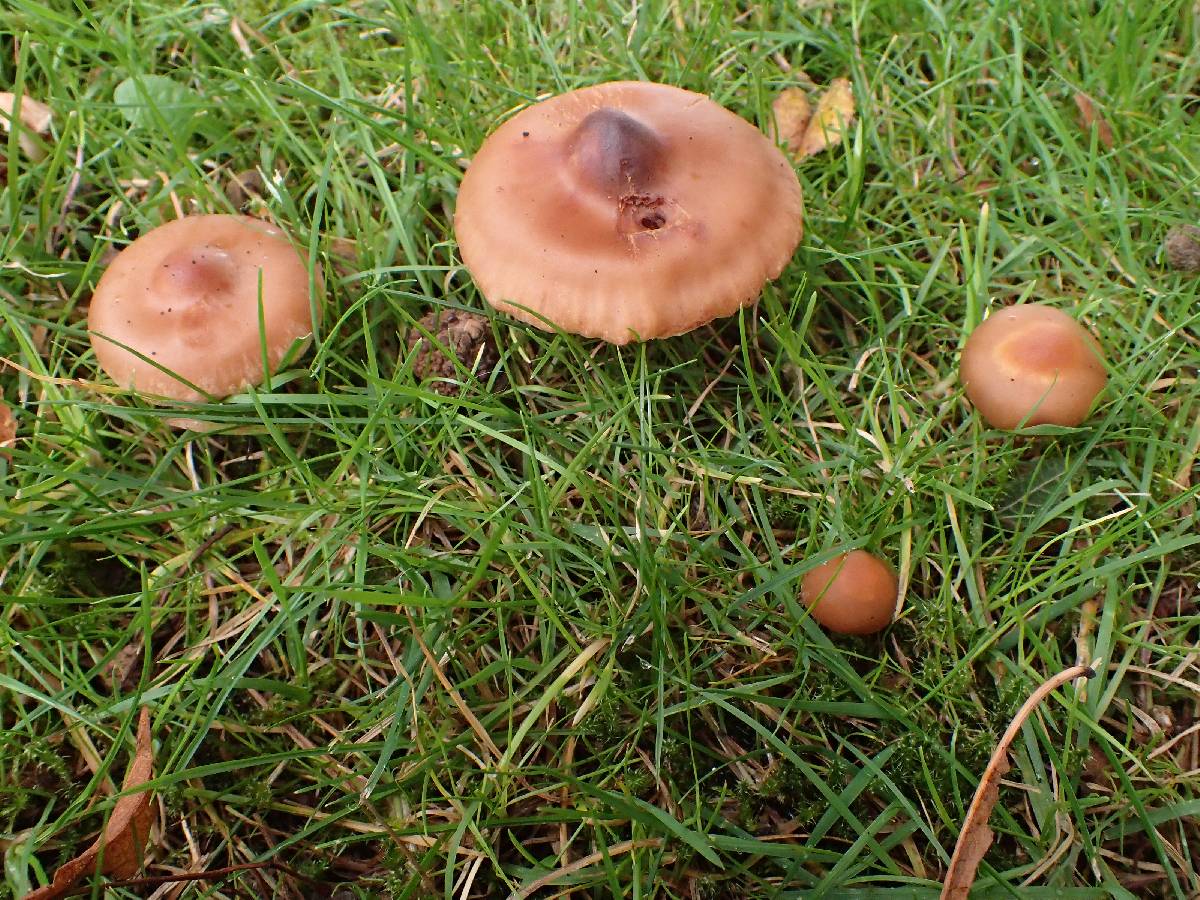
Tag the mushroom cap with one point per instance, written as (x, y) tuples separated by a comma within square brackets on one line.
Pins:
[(854, 593), (626, 211), (186, 295), (1032, 364)]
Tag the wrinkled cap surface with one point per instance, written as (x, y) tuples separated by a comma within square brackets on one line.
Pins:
[(854, 593), (1033, 364), (186, 295), (626, 211)]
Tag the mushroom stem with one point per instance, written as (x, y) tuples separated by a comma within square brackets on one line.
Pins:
[(615, 153)]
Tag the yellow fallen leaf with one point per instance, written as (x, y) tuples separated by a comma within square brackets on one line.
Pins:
[(832, 119), (120, 849), (790, 114), (34, 117)]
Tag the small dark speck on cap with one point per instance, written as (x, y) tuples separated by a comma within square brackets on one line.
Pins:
[(524, 134)]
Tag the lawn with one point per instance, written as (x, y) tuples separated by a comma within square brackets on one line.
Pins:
[(542, 635)]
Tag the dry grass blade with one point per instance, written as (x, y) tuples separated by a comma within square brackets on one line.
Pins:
[(120, 848), (831, 121), (589, 860), (790, 115), (34, 117), (1089, 118), (976, 836)]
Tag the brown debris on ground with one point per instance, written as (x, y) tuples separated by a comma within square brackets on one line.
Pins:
[(805, 131), (119, 850), (1090, 118), (8, 427), (245, 188), (976, 836), (465, 335), (35, 118), (1182, 248)]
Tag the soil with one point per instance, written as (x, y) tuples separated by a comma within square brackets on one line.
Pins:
[(466, 335)]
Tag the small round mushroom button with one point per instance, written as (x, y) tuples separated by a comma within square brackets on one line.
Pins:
[(853, 593)]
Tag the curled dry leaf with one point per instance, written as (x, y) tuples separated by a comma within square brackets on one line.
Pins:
[(8, 427), (34, 117), (831, 121), (122, 671), (1089, 118), (976, 836), (790, 114), (120, 848)]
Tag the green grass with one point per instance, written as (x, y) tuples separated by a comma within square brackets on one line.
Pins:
[(420, 645)]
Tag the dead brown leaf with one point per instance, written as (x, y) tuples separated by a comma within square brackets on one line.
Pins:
[(122, 671), (243, 188), (976, 837), (34, 117), (8, 426), (790, 114), (120, 849), (1089, 118), (831, 121)]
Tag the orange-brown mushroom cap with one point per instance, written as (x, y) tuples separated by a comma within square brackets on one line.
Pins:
[(1032, 364), (626, 211), (854, 593), (186, 295)]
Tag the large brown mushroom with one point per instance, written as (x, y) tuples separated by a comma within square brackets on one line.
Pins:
[(853, 593), (1032, 364), (177, 313), (626, 211)]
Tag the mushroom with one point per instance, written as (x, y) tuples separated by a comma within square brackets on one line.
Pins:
[(176, 314), (1032, 364), (626, 211), (853, 593)]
